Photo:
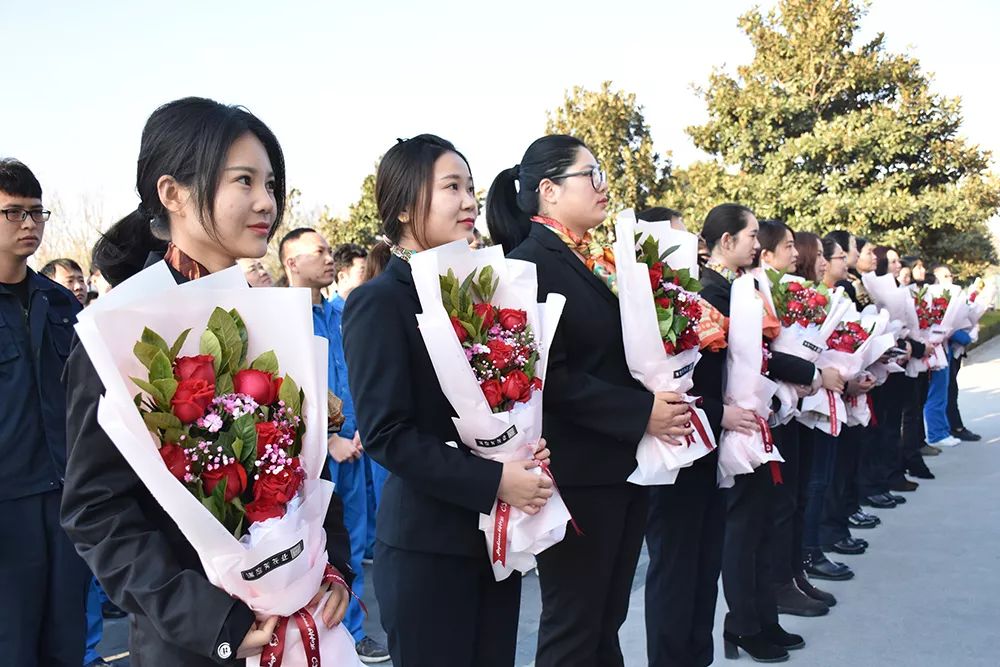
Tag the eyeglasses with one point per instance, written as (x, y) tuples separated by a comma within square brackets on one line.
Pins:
[(597, 176), (838, 257), (20, 215)]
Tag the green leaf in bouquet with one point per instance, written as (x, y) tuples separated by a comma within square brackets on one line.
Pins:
[(488, 283), (665, 321), (456, 294), (680, 323), (241, 329), (150, 389), (446, 282), (213, 507), (267, 362), (649, 249), (669, 251), (237, 449), (224, 384), (145, 352), (137, 399), (160, 369), (238, 530), (210, 344), (472, 329), (468, 283), (172, 434), (226, 440), (529, 365), (245, 429), (222, 325), (161, 421), (175, 349), (167, 387), (289, 393), (150, 337)]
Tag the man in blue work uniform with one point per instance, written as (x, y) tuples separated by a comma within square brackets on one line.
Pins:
[(308, 262), (42, 579)]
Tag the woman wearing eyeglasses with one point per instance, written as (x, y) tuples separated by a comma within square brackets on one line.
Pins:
[(543, 211)]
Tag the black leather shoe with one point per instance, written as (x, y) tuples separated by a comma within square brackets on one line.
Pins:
[(879, 502), (859, 541), (865, 516), (967, 435), (756, 647), (794, 602), (816, 564), (920, 474), (860, 520), (804, 585), (905, 485), (900, 500), (786, 640), (846, 547)]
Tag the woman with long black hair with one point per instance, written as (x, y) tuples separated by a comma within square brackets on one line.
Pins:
[(211, 183), (543, 211), (439, 601)]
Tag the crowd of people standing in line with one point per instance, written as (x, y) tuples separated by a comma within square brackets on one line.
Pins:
[(207, 175)]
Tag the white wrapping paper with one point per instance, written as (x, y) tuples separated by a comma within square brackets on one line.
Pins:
[(517, 431), (656, 461), (746, 387), (282, 570)]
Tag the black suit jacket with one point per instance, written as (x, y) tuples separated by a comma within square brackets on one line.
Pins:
[(595, 412), (134, 548), (434, 494)]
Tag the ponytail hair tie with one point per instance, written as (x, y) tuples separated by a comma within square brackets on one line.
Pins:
[(516, 172)]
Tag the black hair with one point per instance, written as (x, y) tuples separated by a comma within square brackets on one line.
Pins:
[(772, 233), (344, 256), (881, 253), (187, 139), (830, 246), (861, 242), (49, 270), (805, 244), (842, 238), (724, 219), (658, 214), (291, 236), (17, 180), (510, 207)]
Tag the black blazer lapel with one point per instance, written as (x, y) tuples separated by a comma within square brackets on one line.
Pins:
[(552, 242)]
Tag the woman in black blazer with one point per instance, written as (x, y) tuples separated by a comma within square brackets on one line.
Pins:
[(439, 601), (595, 412)]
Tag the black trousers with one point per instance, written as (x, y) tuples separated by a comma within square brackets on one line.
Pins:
[(586, 579), (446, 610), (44, 586), (684, 536), (841, 500), (954, 416), (879, 444), (914, 436), (787, 510), (746, 556)]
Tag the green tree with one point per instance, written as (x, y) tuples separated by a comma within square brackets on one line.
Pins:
[(362, 224), (824, 133), (612, 124)]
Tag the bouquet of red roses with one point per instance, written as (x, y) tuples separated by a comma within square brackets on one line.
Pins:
[(498, 342), (224, 439), (930, 309), (847, 337), (675, 293), (796, 302)]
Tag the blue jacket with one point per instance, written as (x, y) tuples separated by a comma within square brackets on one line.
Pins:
[(33, 351), (326, 323)]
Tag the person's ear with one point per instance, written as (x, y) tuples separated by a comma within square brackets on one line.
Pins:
[(173, 195)]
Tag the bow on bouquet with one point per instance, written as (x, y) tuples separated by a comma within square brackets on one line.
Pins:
[(488, 339), (657, 270), (232, 449), (808, 314), (747, 387)]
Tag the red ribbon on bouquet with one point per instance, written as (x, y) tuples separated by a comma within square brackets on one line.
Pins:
[(700, 428), (871, 409), (834, 422), (274, 652), (768, 438)]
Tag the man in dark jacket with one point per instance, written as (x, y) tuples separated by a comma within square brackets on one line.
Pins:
[(44, 581)]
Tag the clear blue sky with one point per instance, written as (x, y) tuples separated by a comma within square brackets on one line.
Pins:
[(339, 81)]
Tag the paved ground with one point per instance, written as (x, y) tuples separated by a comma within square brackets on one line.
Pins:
[(927, 593)]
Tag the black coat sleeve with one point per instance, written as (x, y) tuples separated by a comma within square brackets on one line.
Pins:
[(382, 382), (128, 552), (791, 369)]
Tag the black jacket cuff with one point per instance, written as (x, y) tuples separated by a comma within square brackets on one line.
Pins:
[(234, 629)]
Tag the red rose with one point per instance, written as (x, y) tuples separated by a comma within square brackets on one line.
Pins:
[(268, 433), (656, 275), (460, 331), (536, 383), (235, 475), (493, 392), (664, 303), (517, 387), (175, 459), (191, 399), (821, 300), (262, 510), (500, 353), (279, 486), (794, 287), (512, 319), (195, 368), (794, 307), (487, 312), (259, 385), (669, 348)]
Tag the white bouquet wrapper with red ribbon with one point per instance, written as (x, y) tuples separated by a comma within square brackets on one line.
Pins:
[(513, 538), (746, 387), (937, 335), (899, 302), (657, 462), (977, 302), (804, 342), (880, 340), (277, 568)]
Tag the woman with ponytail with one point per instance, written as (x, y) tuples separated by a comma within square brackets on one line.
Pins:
[(211, 183), (543, 211), (439, 601)]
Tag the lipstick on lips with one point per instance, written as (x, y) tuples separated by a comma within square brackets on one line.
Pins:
[(470, 223), (261, 228)]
